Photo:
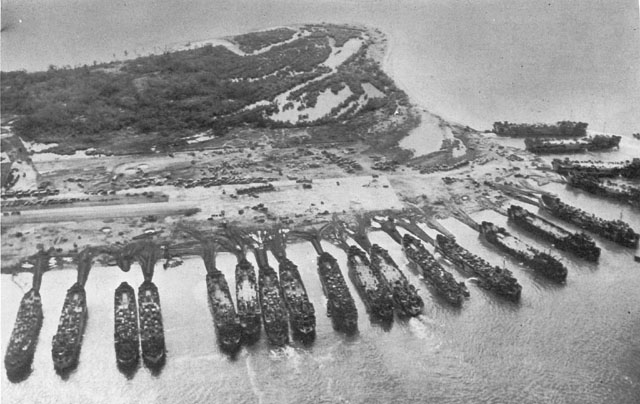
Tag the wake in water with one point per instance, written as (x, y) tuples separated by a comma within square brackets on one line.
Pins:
[(422, 328), (253, 381)]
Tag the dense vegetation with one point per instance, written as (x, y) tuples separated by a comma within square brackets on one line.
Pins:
[(161, 99), (254, 41)]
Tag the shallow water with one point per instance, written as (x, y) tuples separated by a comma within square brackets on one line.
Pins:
[(562, 343), (475, 63)]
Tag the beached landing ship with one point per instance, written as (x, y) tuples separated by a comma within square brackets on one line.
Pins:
[(274, 311), (340, 305), (302, 314), (151, 329), (491, 277), (126, 332), (24, 337), (544, 263), (627, 169), (67, 342), (225, 319), (591, 143), (248, 304), (560, 129), (249, 311), (579, 243), (609, 189), (614, 230), (374, 293), (149, 311), (434, 274), (405, 295)]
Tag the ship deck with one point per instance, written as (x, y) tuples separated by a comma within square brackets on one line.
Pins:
[(246, 291), (547, 226), (366, 276), (293, 288), (515, 244), (391, 273)]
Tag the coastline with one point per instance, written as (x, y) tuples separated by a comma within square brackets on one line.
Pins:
[(52, 230)]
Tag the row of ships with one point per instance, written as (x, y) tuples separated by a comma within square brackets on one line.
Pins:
[(278, 302), (562, 137), (608, 179)]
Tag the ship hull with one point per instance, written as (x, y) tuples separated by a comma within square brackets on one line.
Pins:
[(24, 337), (374, 293), (249, 312), (628, 194), (578, 244), (614, 230), (126, 330), (67, 342), (598, 168), (274, 312), (498, 280), (551, 146), (302, 314), (340, 305), (151, 327), (560, 129), (225, 319), (543, 263), (433, 273), (405, 296)]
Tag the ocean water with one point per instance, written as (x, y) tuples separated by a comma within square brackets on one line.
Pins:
[(572, 343), (472, 62)]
